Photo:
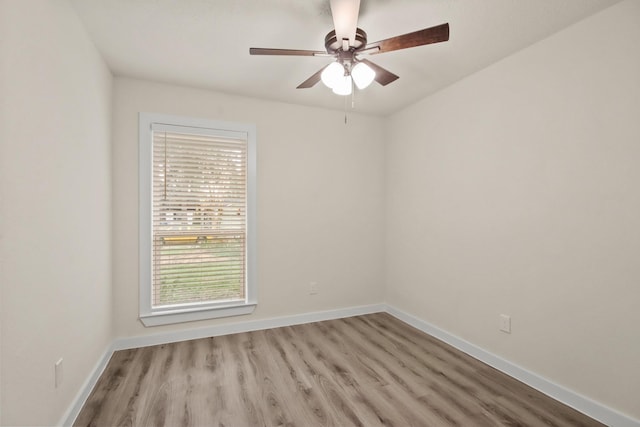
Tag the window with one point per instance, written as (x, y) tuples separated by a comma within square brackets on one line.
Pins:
[(197, 219)]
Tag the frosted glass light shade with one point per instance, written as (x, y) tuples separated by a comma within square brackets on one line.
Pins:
[(332, 75), (343, 87), (362, 75)]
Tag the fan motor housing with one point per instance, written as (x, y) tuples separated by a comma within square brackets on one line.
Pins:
[(333, 45)]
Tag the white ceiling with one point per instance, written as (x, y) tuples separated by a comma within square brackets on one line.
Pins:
[(205, 43)]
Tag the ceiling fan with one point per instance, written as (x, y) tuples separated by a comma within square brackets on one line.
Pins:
[(347, 44)]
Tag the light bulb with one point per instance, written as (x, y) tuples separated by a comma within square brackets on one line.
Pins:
[(362, 75), (343, 87), (332, 75)]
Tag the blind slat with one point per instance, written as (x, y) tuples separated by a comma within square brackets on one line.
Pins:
[(198, 218)]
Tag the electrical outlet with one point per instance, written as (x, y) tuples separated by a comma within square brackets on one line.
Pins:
[(58, 373), (505, 323), (313, 288)]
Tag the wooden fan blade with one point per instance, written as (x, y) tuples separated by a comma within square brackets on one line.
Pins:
[(287, 52), (345, 19), (431, 35), (383, 76), (311, 81)]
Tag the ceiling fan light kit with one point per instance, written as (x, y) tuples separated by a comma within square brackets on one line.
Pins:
[(346, 43), (344, 86), (332, 74), (362, 75), (340, 79)]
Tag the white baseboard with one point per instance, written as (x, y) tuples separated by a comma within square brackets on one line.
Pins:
[(247, 326), (72, 412), (570, 398), (581, 403)]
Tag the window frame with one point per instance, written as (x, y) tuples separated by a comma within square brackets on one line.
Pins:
[(150, 316)]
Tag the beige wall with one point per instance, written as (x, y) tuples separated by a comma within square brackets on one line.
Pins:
[(516, 191), (513, 191), (320, 201), (55, 263)]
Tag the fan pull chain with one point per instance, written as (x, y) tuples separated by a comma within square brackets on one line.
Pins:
[(353, 95), (345, 110), (353, 101)]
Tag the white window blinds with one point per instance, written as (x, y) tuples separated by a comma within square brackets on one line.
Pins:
[(199, 217)]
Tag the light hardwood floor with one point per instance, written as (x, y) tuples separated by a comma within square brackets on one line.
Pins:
[(360, 371)]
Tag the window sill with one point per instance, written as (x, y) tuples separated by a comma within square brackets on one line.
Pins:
[(179, 316)]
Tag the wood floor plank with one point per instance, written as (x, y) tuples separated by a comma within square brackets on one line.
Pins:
[(475, 378), (371, 370), (286, 356)]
